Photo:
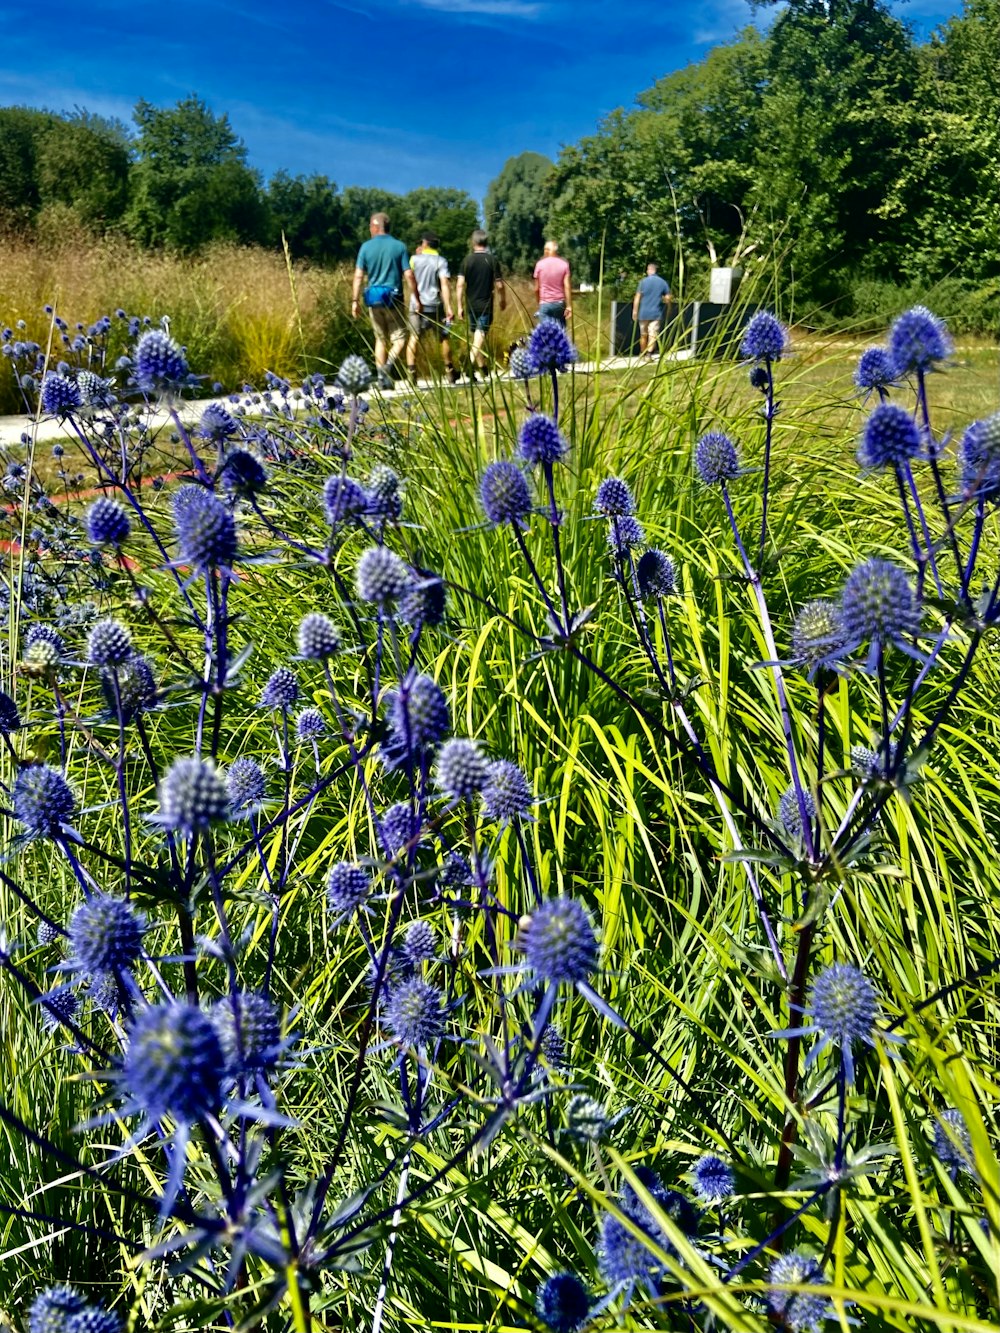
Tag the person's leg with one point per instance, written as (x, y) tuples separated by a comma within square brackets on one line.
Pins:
[(654, 336), (397, 330), (413, 342), (480, 324), (449, 365), (643, 336), (376, 315)]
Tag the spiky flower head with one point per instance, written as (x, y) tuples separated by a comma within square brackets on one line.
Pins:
[(715, 458), (310, 725), (418, 718), (348, 886), (42, 800), (242, 472), (953, 1142), (562, 1303), (765, 338), (553, 1049), (559, 942), (868, 763), (206, 529), (158, 361), (248, 1027), (381, 577), (174, 1063), (875, 370), (423, 603), (94, 1319), (979, 459), (623, 1258), (414, 1012), (539, 441), (59, 1007), (400, 828), (799, 1311), (462, 769), (586, 1118), (507, 794), (318, 637), (246, 787), (193, 797), (60, 395), (216, 424), (354, 375), (713, 1179), (10, 717), (818, 636), (105, 935), (843, 1007), (521, 365), (281, 690), (39, 633), (95, 391), (47, 933), (107, 522), (549, 347), (131, 687), (878, 607), (656, 574), (384, 502), (614, 498), (504, 493), (109, 644), (624, 534), (758, 378), (890, 438), (343, 499), (52, 1307), (420, 943), (917, 340), (790, 810)]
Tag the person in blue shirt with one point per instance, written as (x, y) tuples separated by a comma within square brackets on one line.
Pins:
[(383, 270), (652, 297)]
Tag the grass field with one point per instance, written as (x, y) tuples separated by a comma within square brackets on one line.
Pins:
[(625, 822)]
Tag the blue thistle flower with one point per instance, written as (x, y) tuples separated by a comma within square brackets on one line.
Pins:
[(246, 787), (758, 378), (420, 943), (109, 644), (159, 362), (979, 459), (348, 887), (553, 1049), (656, 574), (418, 718), (521, 365), (624, 534), (343, 499), (788, 811), (248, 1027), (819, 640), (586, 1118), (47, 635), (844, 1008), (51, 1308), (713, 1179), (423, 603), (107, 522), (504, 494), (539, 441), (354, 375), (384, 502), (281, 691), (624, 1260), (59, 1007), (318, 637), (462, 769), (558, 941), (400, 828), (206, 529), (381, 576), (804, 1311), (414, 1012), (562, 1303), (549, 347), (507, 794), (878, 607), (136, 687), (765, 338), (10, 717), (193, 797), (216, 424), (174, 1063), (93, 1319), (105, 935), (242, 472), (95, 391), (875, 370), (953, 1142), (614, 498), (42, 800), (60, 395), (716, 459), (310, 725), (890, 438), (917, 340)]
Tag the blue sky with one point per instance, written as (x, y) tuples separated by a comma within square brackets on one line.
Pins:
[(397, 93)]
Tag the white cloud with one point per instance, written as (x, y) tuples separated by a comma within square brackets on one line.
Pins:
[(519, 9)]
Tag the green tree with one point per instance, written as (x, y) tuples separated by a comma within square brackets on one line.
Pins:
[(21, 130), (83, 162), (451, 214), (360, 203), (191, 182), (310, 214), (517, 209)]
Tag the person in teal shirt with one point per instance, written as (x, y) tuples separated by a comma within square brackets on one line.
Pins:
[(383, 270)]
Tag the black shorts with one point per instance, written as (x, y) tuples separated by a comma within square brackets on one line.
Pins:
[(430, 319)]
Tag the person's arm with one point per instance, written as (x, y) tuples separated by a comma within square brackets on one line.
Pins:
[(501, 290), (568, 293), (446, 295), (538, 287), (635, 306), (459, 295), (359, 277), (411, 284)]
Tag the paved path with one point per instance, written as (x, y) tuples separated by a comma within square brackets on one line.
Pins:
[(48, 431)]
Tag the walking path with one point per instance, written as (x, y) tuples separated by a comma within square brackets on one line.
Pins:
[(49, 431)]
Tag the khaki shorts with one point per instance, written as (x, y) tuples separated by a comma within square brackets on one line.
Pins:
[(650, 328), (388, 321), (431, 320)]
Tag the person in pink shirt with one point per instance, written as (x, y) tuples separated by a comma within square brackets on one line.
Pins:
[(552, 286)]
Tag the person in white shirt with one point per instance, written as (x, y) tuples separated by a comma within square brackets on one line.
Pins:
[(430, 272)]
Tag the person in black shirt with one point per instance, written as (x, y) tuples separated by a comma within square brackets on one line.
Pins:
[(478, 279)]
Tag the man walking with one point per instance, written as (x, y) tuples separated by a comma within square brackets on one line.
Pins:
[(430, 273), (651, 296), (553, 290), (383, 267), (478, 279)]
